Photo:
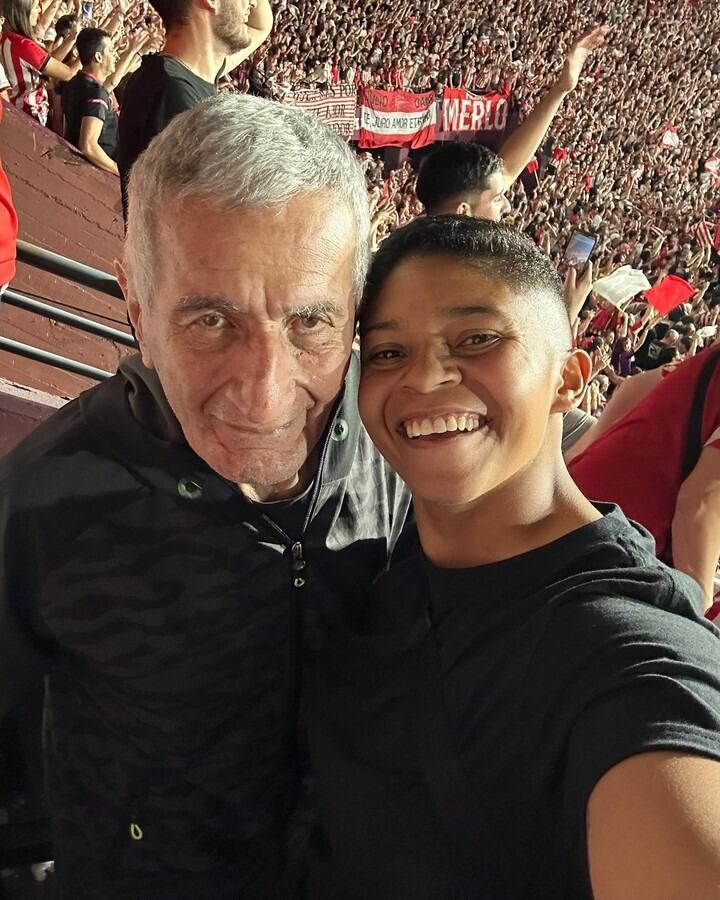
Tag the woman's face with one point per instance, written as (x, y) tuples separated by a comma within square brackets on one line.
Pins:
[(460, 377)]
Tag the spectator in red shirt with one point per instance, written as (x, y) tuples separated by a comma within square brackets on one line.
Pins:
[(637, 458), (8, 229), (26, 62)]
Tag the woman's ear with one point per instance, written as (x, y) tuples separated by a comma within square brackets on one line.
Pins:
[(574, 379)]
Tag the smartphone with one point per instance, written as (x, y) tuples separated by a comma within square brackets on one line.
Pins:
[(579, 250)]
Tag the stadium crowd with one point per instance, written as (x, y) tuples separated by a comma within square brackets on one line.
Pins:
[(631, 158)]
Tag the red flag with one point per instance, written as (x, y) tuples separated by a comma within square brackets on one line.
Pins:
[(532, 166), (559, 154), (716, 242), (463, 111), (669, 293)]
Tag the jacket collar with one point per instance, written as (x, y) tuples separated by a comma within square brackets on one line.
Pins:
[(131, 416)]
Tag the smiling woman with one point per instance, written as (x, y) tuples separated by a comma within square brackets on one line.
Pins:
[(529, 690), (449, 335)]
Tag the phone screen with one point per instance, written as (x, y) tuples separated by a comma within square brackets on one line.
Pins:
[(579, 249)]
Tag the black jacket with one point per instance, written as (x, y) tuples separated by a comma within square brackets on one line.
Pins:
[(163, 607)]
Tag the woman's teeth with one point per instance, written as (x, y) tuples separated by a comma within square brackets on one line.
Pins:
[(441, 424)]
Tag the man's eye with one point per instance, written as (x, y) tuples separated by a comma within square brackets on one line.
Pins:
[(213, 321), (310, 323)]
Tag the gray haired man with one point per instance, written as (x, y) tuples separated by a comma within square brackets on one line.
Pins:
[(178, 541)]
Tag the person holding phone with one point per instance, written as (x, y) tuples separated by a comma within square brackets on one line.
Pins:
[(529, 705)]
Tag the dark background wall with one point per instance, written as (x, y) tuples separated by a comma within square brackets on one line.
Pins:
[(67, 205)]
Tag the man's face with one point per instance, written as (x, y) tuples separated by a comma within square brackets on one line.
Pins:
[(457, 388), (231, 24), (250, 327), (108, 57), (491, 204)]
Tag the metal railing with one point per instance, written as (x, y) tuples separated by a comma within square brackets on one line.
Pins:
[(55, 264), (78, 273)]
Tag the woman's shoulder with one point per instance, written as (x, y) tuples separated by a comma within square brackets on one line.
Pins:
[(25, 47)]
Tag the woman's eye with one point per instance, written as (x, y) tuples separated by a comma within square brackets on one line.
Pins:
[(479, 340), (382, 355)]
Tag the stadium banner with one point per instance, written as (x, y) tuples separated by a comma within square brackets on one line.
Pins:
[(336, 106), (397, 119), (481, 113)]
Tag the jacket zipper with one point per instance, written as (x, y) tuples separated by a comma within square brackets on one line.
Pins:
[(298, 576)]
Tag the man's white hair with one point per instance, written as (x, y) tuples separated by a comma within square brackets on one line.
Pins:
[(236, 153)]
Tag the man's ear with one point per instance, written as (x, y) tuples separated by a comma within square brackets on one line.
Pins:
[(574, 378), (463, 209), (134, 310)]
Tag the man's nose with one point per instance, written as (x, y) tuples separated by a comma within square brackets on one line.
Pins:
[(263, 385)]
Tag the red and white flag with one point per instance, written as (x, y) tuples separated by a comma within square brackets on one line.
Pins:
[(463, 111), (705, 234), (335, 105), (397, 119)]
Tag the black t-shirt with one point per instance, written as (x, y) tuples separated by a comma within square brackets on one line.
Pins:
[(84, 97), (161, 89), (551, 668)]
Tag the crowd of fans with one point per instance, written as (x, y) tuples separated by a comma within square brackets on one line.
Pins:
[(631, 158)]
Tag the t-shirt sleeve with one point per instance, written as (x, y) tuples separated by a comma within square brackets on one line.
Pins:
[(31, 52), (627, 678), (177, 97), (95, 105), (714, 439)]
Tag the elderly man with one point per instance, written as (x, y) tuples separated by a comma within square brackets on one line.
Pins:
[(179, 540)]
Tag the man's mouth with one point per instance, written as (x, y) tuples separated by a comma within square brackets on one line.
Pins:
[(449, 423)]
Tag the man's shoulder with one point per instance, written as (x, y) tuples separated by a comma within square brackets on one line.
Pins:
[(162, 74), (63, 459), (84, 87)]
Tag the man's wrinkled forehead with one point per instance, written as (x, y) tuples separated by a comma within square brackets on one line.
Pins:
[(306, 248)]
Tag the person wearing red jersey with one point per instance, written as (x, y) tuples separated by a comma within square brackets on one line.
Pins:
[(27, 62), (656, 453), (8, 229)]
